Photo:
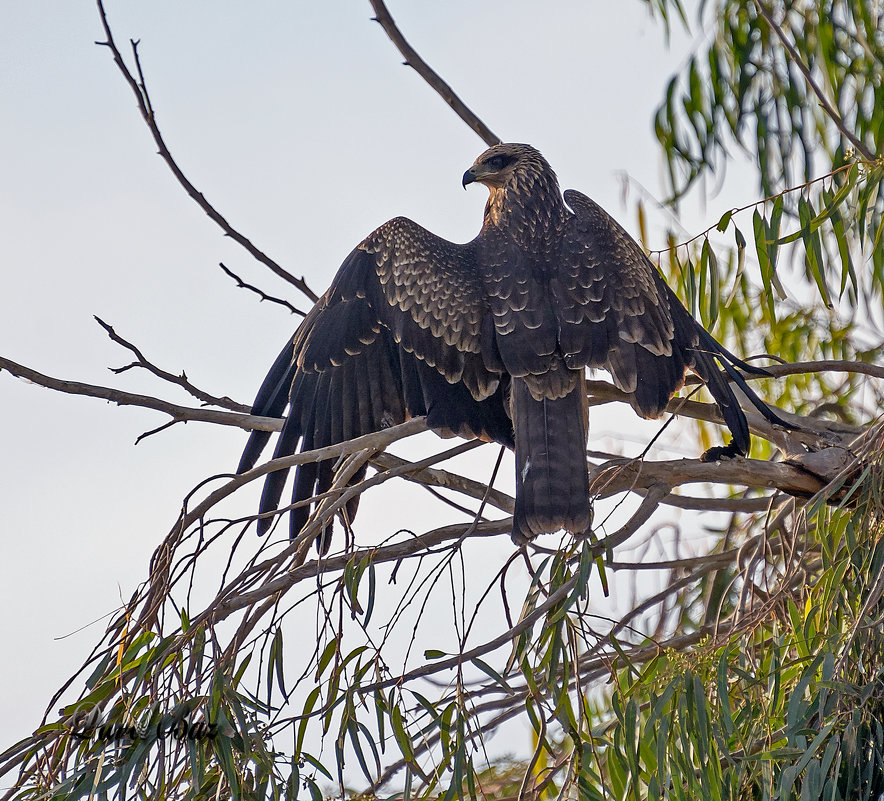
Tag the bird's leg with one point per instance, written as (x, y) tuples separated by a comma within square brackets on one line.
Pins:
[(717, 453)]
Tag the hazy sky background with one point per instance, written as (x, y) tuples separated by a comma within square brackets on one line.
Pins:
[(299, 122)]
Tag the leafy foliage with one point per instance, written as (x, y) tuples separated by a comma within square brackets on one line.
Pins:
[(796, 87), (789, 704)]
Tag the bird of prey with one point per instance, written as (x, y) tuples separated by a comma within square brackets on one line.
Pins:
[(491, 339)]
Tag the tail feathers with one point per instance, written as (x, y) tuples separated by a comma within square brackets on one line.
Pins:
[(704, 365), (730, 362), (552, 481)]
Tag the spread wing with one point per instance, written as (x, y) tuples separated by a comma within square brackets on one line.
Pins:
[(400, 333), (615, 312)]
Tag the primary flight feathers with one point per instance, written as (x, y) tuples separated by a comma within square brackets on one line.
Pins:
[(491, 339)]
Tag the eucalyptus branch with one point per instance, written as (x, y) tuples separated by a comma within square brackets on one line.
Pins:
[(221, 608), (229, 602), (760, 203), (591, 668), (161, 559), (830, 110), (823, 366), (527, 622), (622, 475), (714, 504), (653, 479)]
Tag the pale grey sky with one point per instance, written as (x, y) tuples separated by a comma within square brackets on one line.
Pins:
[(298, 121)]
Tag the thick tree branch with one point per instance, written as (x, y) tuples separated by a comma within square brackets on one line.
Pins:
[(613, 477)]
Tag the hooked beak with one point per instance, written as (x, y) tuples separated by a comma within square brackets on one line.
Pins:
[(469, 177)]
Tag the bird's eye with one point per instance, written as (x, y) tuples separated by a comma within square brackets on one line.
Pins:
[(498, 162)]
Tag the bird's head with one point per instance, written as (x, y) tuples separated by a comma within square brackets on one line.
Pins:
[(503, 165)]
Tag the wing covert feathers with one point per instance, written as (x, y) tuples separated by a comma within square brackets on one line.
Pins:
[(618, 314), (397, 335)]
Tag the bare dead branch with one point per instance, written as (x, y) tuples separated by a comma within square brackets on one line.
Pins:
[(623, 475), (436, 477), (178, 380), (260, 292), (412, 59), (745, 505), (139, 89), (152, 431), (178, 413)]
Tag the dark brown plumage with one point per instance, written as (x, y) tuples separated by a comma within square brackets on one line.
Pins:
[(491, 339)]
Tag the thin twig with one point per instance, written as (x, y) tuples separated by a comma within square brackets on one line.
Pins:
[(178, 413), (756, 203), (260, 292), (832, 112), (436, 477)]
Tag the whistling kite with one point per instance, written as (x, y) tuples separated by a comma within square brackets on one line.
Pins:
[(491, 339)]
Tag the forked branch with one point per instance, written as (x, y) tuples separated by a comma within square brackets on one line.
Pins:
[(139, 89), (178, 380)]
